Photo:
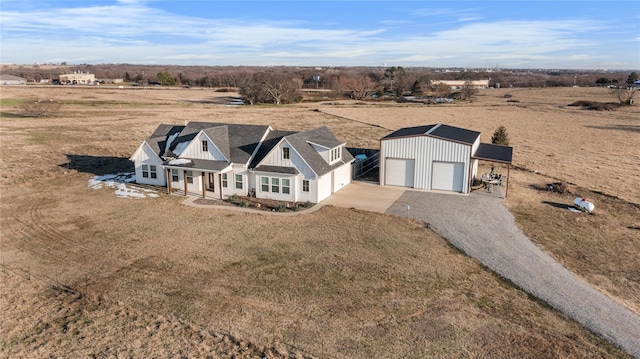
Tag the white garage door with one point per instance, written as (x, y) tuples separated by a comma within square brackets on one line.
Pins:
[(447, 176), (399, 172)]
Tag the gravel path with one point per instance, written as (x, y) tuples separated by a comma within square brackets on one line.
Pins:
[(484, 229)]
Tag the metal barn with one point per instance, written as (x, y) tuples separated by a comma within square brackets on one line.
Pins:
[(433, 157)]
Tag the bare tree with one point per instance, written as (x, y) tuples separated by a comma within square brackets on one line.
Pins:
[(467, 91), (357, 88), (624, 94), (442, 90)]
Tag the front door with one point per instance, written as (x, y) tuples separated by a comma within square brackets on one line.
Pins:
[(211, 182)]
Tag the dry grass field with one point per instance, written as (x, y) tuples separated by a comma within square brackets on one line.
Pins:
[(86, 274)]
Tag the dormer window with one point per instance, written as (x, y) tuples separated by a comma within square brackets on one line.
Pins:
[(336, 154), (205, 146), (285, 153)]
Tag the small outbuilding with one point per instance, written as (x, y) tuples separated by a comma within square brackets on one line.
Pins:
[(436, 157), (12, 80)]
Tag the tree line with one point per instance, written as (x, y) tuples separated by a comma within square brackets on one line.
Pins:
[(282, 84)]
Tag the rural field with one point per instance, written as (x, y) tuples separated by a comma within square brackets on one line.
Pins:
[(87, 274)]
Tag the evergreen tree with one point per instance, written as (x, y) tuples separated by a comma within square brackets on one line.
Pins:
[(500, 136)]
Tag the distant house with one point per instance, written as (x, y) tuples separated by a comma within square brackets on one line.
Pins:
[(217, 160), (12, 80), (436, 157), (480, 84), (78, 78)]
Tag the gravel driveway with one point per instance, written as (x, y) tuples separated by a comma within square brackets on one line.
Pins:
[(484, 229)]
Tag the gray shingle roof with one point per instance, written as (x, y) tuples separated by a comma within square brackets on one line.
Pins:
[(158, 139), (277, 169), (301, 143), (201, 164), (238, 143), (273, 138)]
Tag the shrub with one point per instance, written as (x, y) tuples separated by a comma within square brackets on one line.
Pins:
[(500, 136), (245, 204), (280, 208), (39, 108), (233, 199), (596, 106)]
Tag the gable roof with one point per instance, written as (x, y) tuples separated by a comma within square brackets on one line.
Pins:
[(161, 136), (272, 139), (439, 130), (301, 142), (236, 142)]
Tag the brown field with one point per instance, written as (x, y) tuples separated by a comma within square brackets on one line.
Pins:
[(85, 273)]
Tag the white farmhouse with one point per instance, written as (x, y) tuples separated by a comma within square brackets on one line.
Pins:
[(217, 160)]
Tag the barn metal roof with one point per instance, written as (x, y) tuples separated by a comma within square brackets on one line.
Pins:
[(495, 153), (439, 130)]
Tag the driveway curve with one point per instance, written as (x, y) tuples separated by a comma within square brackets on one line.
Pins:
[(484, 229)]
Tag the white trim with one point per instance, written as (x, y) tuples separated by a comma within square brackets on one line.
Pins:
[(294, 149), (253, 155), (433, 129)]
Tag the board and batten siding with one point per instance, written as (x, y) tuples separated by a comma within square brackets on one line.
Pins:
[(425, 150), (275, 158), (145, 155), (194, 150), (341, 177)]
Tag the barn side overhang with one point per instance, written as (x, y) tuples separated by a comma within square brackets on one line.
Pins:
[(498, 154)]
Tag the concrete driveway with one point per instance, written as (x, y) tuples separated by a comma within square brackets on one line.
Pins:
[(484, 229), (365, 196)]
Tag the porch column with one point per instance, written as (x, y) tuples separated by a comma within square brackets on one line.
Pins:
[(168, 180), (506, 191), (204, 195), (184, 174), (220, 183)]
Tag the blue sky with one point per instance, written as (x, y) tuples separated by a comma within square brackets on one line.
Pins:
[(478, 34)]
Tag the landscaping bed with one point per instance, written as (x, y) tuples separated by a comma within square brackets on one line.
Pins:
[(268, 204)]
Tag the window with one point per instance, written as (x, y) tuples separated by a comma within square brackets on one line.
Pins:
[(205, 146), (335, 154), (264, 182), (225, 181), (285, 153), (174, 175), (189, 176), (149, 171), (305, 185), (275, 185), (238, 181), (285, 186)]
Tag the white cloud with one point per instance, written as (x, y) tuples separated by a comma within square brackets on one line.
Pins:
[(132, 31)]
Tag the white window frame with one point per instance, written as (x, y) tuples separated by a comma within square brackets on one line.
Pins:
[(189, 177), (264, 183), (205, 146), (286, 153), (286, 189), (225, 180), (175, 175), (336, 154), (149, 171), (275, 185), (305, 185), (238, 183)]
